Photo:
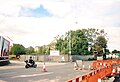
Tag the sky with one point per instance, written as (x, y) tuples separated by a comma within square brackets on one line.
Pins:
[(37, 22)]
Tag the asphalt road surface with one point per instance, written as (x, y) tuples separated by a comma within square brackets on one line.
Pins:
[(55, 73)]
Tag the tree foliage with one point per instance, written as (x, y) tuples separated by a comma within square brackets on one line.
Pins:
[(30, 50), (44, 50), (115, 51), (77, 42), (74, 42), (100, 45), (17, 49)]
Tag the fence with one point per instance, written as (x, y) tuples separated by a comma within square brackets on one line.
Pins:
[(56, 58), (46, 58)]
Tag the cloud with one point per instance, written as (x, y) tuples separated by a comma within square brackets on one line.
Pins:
[(94, 11), (24, 22), (37, 31)]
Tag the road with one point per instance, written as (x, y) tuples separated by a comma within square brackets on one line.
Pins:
[(56, 72)]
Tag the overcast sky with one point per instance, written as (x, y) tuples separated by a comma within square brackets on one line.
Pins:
[(37, 22)]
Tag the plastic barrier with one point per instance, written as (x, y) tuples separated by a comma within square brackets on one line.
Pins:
[(77, 79), (109, 70), (93, 77), (118, 69), (103, 68)]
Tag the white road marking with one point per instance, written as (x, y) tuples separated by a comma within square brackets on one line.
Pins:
[(32, 75), (8, 73)]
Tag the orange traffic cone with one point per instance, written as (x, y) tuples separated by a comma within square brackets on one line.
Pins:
[(44, 68), (83, 67), (75, 66), (89, 67)]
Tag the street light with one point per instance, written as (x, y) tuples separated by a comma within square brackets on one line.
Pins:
[(69, 45), (69, 42)]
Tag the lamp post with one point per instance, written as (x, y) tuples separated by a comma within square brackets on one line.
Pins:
[(70, 42), (69, 45), (44, 54)]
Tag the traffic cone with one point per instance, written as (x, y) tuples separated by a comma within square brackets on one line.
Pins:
[(75, 66), (44, 68), (83, 67), (89, 67)]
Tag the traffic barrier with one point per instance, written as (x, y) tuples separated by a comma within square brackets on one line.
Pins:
[(93, 76), (113, 71), (77, 79), (109, 70), (94, 64), (118, 69), (102, 73), (103, 68)]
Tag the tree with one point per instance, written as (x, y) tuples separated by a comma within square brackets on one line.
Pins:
[(79, 41), (17, 49), (115, 51), (93, 36), (74, 42), (62, 44), (100, 44), (45, 49), (107, 51), (30, 50)]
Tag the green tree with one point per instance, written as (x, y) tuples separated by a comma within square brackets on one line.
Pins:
[(100, 44), (17, 49), (93, 36), (30, 50), (107, 51), (45, 49), (115, 51), (40, 51), (74, 42), (79, 43), (59, 44)]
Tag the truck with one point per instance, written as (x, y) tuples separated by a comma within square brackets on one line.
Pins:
[(4, 50)]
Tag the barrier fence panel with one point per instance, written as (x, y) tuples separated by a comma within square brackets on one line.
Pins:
[(93, 77), (103, 68), (109, 70)]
